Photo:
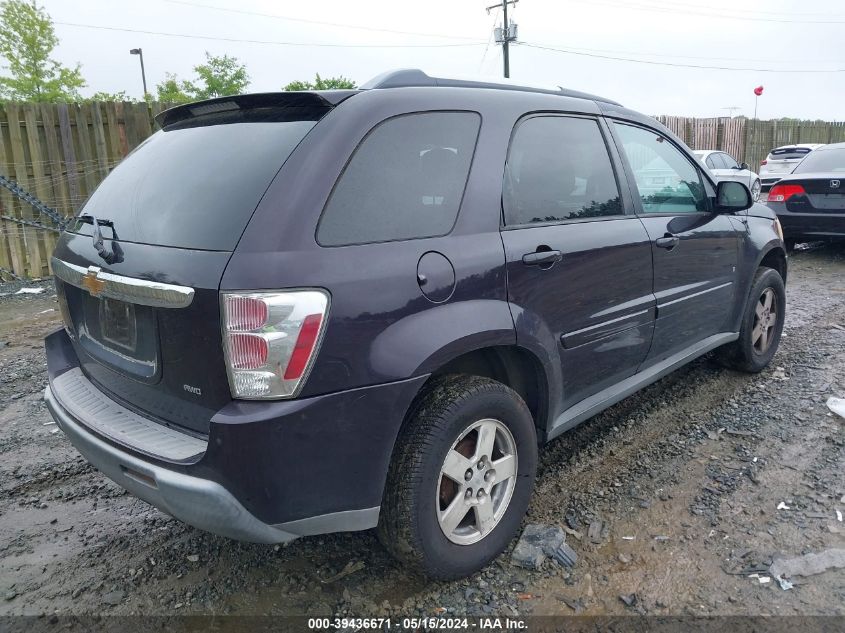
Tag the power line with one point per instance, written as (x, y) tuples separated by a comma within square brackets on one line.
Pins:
[(657, 63), (639, 6), (700, 57), (317, 22), (733, 9), (267, 42)]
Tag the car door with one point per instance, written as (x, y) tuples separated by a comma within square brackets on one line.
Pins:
[(737, 172), (694, 249), (578, 259)]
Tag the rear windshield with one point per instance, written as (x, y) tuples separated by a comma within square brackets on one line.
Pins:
[(194, 186), (822, 161), (789, 153)]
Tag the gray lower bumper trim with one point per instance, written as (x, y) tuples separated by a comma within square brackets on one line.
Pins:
[(199, 502), (84, 401)]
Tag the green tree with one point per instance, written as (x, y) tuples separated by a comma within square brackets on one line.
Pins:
[(27, 38), (329, 83), (112, 97), (171, 90), (217, 77)]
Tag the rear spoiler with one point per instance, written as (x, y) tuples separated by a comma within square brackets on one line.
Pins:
[(240, 103)]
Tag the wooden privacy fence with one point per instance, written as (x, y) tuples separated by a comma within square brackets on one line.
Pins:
[(749, 140), (60, 152)]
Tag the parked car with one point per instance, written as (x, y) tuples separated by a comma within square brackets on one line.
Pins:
[(782, 160), (810, 202), (723, 166), (308, 312)]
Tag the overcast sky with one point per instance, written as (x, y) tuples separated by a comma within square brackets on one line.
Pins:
[(453, 38)]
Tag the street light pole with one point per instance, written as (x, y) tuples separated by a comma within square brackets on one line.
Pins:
[(140, 54)]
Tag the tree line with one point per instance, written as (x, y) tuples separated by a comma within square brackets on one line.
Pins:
[(27, 40)]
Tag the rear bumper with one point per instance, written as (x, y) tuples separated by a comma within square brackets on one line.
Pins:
[(271, 471), (811, 226), (199, 502)]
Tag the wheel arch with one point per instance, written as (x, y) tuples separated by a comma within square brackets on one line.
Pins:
[(774, 257)]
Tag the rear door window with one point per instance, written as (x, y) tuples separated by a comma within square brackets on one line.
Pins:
[(714, 161), (667, 181), (559, 169), (405, 180), (730, 163)]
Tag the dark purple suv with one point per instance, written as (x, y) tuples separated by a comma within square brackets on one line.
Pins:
[(298, 313)]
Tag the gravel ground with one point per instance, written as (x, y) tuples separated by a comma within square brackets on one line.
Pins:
[(681, 484)]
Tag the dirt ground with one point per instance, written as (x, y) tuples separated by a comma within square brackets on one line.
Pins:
[(685, 477)]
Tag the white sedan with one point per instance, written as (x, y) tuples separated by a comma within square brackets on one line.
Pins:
[(724, 167)]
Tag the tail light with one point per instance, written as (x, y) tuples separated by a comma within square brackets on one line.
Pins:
[(271, 339), (782, 193), (764, 162)]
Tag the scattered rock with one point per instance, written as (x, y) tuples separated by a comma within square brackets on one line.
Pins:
[(565, 555), (11, 594), (630, 599), (594, 532), (536, 543), (193, 558), (624, 558)]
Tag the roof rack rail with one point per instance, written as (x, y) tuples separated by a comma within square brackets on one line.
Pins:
[(413, 77)]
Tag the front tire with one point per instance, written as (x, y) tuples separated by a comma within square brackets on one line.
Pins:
[(762, 324), (461, 477)]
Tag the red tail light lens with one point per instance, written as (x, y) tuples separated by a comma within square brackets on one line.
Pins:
[(245, 313), (271, 339), (248, 351), (782, 193), (764, 162), (304, 345)]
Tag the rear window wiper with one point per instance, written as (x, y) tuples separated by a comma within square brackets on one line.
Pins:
[(109, 255)]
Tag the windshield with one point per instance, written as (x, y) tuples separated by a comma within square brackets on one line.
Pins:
[(193, 187), (823, 161)]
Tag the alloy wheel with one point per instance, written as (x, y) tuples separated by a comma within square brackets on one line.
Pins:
[(477, 481), (765, 320)]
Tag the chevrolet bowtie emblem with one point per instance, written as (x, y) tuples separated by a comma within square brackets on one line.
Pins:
[(91, 282)]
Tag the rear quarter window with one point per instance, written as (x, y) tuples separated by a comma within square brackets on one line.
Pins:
[(404, 181)]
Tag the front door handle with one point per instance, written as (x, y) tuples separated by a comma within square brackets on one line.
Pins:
[(542, 258), (668, 241)]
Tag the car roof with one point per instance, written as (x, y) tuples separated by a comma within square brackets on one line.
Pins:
[(416, 78), (830, 146)]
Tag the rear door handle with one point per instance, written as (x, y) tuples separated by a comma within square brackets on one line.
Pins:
[(668, 241), (542, 258)]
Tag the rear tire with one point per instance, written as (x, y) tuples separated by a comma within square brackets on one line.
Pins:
[(449, 526), (762, 324)]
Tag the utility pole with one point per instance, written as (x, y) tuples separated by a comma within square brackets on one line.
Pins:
[(505, 34), (140, 53)]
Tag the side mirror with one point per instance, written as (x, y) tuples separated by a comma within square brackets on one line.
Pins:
[(743, 166), (732, 196)]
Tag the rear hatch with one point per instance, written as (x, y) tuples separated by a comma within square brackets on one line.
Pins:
[(783, 159), (138, 271)]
